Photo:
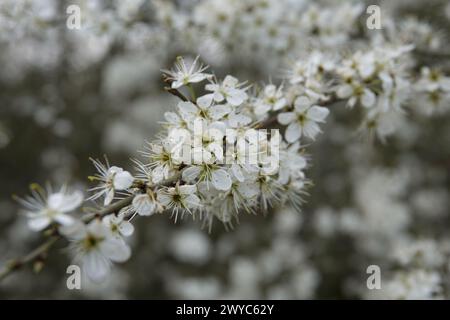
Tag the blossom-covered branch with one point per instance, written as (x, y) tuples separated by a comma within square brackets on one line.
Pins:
[(210, 162)]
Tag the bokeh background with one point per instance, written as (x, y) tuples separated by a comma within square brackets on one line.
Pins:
[(67, 95)]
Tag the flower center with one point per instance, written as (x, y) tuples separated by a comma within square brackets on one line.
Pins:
[(301, 118), (91, 242)]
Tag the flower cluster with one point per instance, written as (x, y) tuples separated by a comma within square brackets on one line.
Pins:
[(376, 81), (212, 160), (433, 92)]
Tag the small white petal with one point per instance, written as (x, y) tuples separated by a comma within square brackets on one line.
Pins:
[(238, 120), (177, 84), (302, 103), (71, 201), (345, 91), (143, 205), (123, 180), (205, 101), (280, 104), (74, 231), (192, 201), (262, 108), (55, 201), (187, 189), (39, 223), (237, 172), (248, 190), (126, 228), (96, 266), (187, 110), (269, 90), (230, 81), (368, 99), (318, 114), (115, 249), (172, 117), (197, 77), (221, 180), (293, 132), (109, 196), (286, 117), (64, 219), (191, 173), (311, 129), (236, 97), (164, 199), (219, 111)]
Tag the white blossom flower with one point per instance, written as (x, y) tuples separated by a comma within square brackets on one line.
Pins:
[(356, 92), (204, 109), (228, 90), (144, 204), (96, 247), (272, 99), (111, 179), (209, 173), (184, 74), (432, 92), (303, 120), (292, 163), (118, 225), (46, 207), (179, 198), (161, 159), (432, 79)]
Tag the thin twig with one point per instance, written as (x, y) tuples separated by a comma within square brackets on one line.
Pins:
[(29, 258)]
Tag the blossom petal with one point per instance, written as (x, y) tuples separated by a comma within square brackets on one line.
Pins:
[(237, 120), (293, 132), (280, 104), (96, 266), (344, 91), (219, 111), (109, 196), (71, 201), (311, 129), (221, 180), (236, 97), (192, 201), (317, 113), (126, 228), (191, 173), (187, 110), (368, 98), (270, 90), (64, 219), (302, 104), (115, 249), (286, 117), (123, 180), (248, 190), (172, 117), (39, 223), (237, 172), (143, 205), (187, 189), (205, 101)]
